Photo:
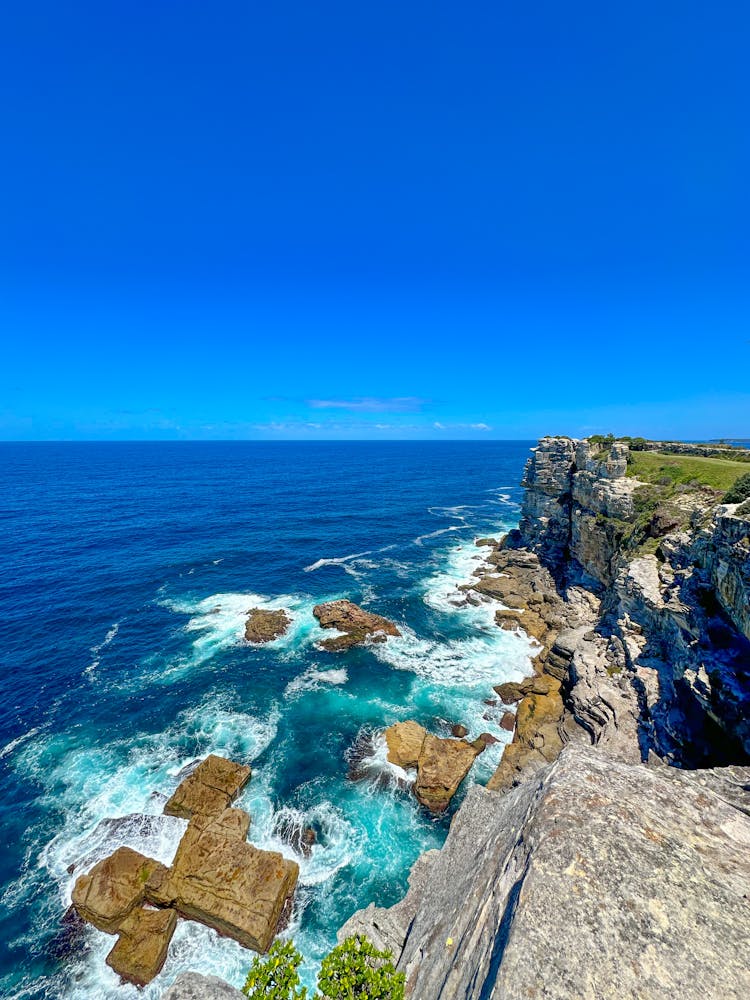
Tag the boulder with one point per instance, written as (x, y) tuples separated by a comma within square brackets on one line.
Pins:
[(222, 881), (459, 731), (508, 722), (193, 986), (358, 626), (142, 944), (209, 789), (593, 879), (113, 888), (405, 741), (265, 626), (441, 764)]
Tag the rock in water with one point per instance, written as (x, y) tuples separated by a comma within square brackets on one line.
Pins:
[(442, 764), (265, 626), (592, 879), (209, 789), (358, 626), (113, 887), (192, 986), (226, 883), (142, 944)]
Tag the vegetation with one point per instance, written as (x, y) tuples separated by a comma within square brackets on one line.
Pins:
[(744, 509), (686, 470), (354, 970), (739, 491), (275, 977)]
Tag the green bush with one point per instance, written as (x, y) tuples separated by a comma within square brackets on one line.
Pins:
[(275, 977), (356, 970), (740, 491)]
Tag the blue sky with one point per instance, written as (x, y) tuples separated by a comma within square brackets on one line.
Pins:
[(383, 220)]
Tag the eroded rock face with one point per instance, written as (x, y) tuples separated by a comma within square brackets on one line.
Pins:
[(142, 945), (224, 882), (587, 880), (359, 626), (265, 626), (209, 789), (442, 764), (113, 888)]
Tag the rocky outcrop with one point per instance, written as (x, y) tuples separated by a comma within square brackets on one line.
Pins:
[(356, 625), (113, 888), (142, 944), (442, 764), (265, 626), (216, 877), (209, 789), (193, 986), (595, 878)]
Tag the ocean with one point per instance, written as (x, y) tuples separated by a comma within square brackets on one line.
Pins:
[(128, 569)]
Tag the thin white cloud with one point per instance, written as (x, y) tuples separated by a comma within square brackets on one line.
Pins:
[(370, 404)]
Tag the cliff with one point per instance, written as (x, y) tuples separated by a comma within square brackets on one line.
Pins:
[(588, 868)]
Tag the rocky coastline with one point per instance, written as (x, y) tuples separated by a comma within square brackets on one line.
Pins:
[(588, 867)]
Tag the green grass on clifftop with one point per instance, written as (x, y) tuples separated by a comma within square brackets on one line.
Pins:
[(653, 467)]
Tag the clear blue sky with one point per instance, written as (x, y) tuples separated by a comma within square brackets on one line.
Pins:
[(392, 219)]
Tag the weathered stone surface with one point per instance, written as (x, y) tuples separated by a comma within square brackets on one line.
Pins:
[(209, 789), (265, 626), (226, 883), (142, 944), (193, 986), (459, 731), (405, 741), (442, 764), (357, 625), (593, 879), (113, 887)]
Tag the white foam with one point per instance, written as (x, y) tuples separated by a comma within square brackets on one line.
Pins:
[(313, 678), (96, 650), (336, 561), (17, 742)]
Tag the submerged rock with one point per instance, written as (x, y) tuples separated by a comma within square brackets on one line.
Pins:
[(442, 764), (265, 626), (142, 944), (357, 625), (209, 789), (113, 888), (594, 878)]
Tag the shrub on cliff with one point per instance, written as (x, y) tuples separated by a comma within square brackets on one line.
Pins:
[(275, 976), (740, 491), (356, 970)]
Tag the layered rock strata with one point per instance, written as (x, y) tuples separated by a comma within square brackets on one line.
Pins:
[(356, 625), (594, 878), (442, 764)]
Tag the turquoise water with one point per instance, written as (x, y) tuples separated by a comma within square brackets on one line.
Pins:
[(129, 570)]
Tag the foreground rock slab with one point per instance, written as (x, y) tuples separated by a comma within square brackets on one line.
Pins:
[(142, 945), (357, 625), (206, 792), (222, 881), (442, 764), (265, 626), (192, 986), (593, 879), (113, 888)]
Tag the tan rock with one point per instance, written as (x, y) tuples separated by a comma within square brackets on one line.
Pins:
[(142, 945), (443, 765), (113, 888), (265, 626), (226, 883), (358, 626), (535, 712), (405, 741), (209, 789)]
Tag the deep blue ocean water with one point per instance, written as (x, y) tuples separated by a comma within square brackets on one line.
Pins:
[(128, 569)]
